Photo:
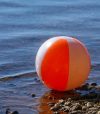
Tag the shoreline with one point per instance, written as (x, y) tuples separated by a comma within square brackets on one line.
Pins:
[(28, 95)]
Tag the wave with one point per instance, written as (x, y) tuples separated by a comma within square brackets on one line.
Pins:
[(30, 74), (20, 75)]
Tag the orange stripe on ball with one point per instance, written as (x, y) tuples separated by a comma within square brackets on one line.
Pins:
[(55, 62)]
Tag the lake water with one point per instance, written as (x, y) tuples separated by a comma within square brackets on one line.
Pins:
[(26, 24)]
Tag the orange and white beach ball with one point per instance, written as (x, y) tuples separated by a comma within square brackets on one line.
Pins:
[(63, 63)]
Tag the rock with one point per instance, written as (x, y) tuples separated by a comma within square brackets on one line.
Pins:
[(51, 104), (84, 107), (89, 112), (61, 101), (74, 112), (15, 112), (66, 109), (92, 95), (9, 112), (98, 112), (33, 95), (93, 112), (89, 104), (76, 106), (69, 99), (93, 84), (56, 107), (67, 103), (93, 108), (90, 87), (98, 88), (85, 86), (88, 101), (56, 112), (98, 106)]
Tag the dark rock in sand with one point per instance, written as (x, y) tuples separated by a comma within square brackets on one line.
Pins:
[(67, 103), (66, 109), (89, 104), (84, 108), (76, 106), (84, 87)]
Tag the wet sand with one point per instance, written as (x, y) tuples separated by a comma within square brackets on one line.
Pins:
[(27, 95)]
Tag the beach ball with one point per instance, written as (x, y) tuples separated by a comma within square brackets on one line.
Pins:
[(63, 63)]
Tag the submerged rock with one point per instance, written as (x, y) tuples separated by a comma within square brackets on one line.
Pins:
[(15, 112), (33, 95), (8, 111)]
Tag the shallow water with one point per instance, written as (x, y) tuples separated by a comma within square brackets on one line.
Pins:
[(25, 25)]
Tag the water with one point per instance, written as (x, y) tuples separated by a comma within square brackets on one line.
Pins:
[(26, 24)]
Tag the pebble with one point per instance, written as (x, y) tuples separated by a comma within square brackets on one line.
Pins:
[(76, 106), (33, 95), (69, 99), (7, 111), (67, 103), (10, 112), (56, 107), (61, 101), (74, 112), (56, 113), (93, 84), (93, 112), (93, 108), (98, 112), (15, 112), (84, 107), (66, 109), (84, 87), (86, 104), (89, 105)]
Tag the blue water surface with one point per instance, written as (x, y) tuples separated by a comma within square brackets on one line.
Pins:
[(26, 24)]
